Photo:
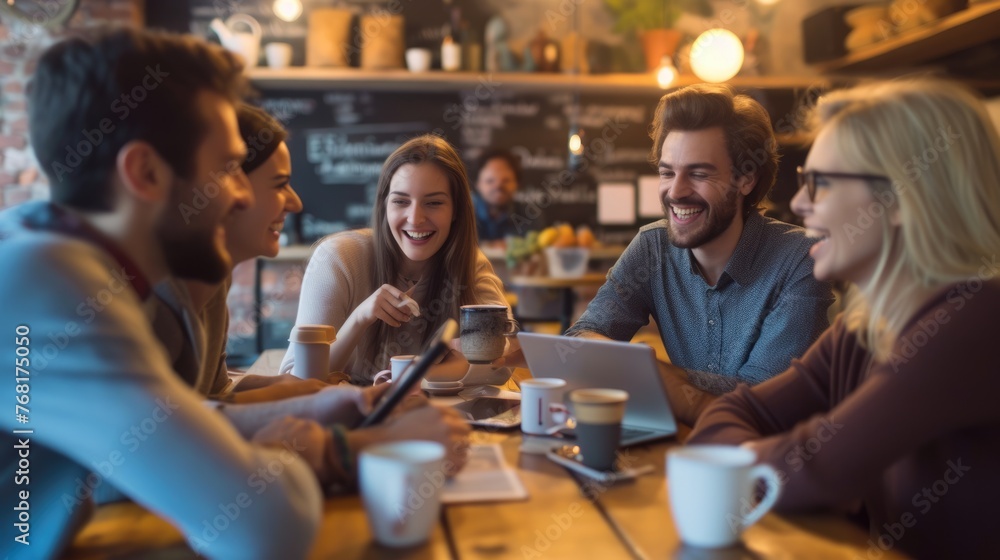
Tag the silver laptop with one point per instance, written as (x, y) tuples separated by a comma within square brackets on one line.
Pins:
[(586, 363)]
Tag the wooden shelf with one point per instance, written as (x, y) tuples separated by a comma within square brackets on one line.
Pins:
[(794, 139), (973, 26), (602, 252), (354, 78)]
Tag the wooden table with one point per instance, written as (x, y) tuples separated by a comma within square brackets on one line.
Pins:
[(559, 520), (566, 285)]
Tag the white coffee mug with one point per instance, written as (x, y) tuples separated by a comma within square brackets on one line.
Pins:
[(542, 411), (278, 55), (711, 491), (311, 350), (397, 365), (400, 485)]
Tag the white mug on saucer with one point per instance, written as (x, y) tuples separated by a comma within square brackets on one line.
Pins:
[(397, 365), (711, 491)]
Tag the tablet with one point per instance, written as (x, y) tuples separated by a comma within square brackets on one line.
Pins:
[(492, 412), (437, 346)]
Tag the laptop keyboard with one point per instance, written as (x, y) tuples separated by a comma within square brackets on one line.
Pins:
[(629, 433)]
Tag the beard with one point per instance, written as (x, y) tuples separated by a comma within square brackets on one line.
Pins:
[(188, 239), (717, 220)]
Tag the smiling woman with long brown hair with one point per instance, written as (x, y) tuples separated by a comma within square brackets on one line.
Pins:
[(421, 247)]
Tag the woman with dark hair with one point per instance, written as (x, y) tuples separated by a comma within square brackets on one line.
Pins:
[(250, 233), (388, 288), (192, 322)]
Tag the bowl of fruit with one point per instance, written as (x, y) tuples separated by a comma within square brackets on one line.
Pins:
[(557, 251), (567, 252)]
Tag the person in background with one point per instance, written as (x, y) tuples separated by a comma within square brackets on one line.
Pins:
[(254, 232), (498, 176), (148, 199), (732, 292), (900, 392), (388, 288)]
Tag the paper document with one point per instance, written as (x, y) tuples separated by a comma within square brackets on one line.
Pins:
[(485, 478), (616, 203)]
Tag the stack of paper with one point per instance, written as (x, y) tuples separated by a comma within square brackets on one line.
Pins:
[(486, 478)]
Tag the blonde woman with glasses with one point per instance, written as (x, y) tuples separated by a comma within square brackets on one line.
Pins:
[(892, 414)]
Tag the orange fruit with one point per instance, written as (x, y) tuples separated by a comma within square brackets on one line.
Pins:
[(566, 236)]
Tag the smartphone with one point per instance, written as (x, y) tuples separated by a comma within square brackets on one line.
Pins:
[(437, 347)]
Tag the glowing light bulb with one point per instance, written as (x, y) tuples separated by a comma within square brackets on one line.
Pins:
[(767, 2), (716, 55), (287, 10), (666, 73), (575, 144)]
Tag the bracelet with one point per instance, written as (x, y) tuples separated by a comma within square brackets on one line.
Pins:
[(343, 450)]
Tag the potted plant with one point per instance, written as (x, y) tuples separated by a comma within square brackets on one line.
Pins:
[(653, 20)]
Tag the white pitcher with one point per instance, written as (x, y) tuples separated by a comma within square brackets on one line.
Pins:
[(243, 43)]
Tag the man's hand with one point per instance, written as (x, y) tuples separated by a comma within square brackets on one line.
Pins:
[(430, 423), (686, 400), (305, 437), (513, 356)]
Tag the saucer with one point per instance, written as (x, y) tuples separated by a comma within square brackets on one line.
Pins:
[(485, 374), (442, 388)]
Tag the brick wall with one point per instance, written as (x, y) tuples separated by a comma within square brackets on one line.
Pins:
[(20, 44)]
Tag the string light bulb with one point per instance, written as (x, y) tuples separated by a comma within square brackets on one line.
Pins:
[(716, 55), (287, 10), (666, 73), (576, 144)]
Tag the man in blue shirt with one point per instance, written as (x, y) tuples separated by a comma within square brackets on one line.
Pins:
[(498, 176), (732, 292)]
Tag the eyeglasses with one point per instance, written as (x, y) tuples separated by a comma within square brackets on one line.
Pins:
[(807, 179)]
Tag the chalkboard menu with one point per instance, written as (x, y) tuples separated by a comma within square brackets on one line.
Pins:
[(339, 140)]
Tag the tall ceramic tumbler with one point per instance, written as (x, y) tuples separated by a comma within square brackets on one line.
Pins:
[(711, 492), (311, 350)]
